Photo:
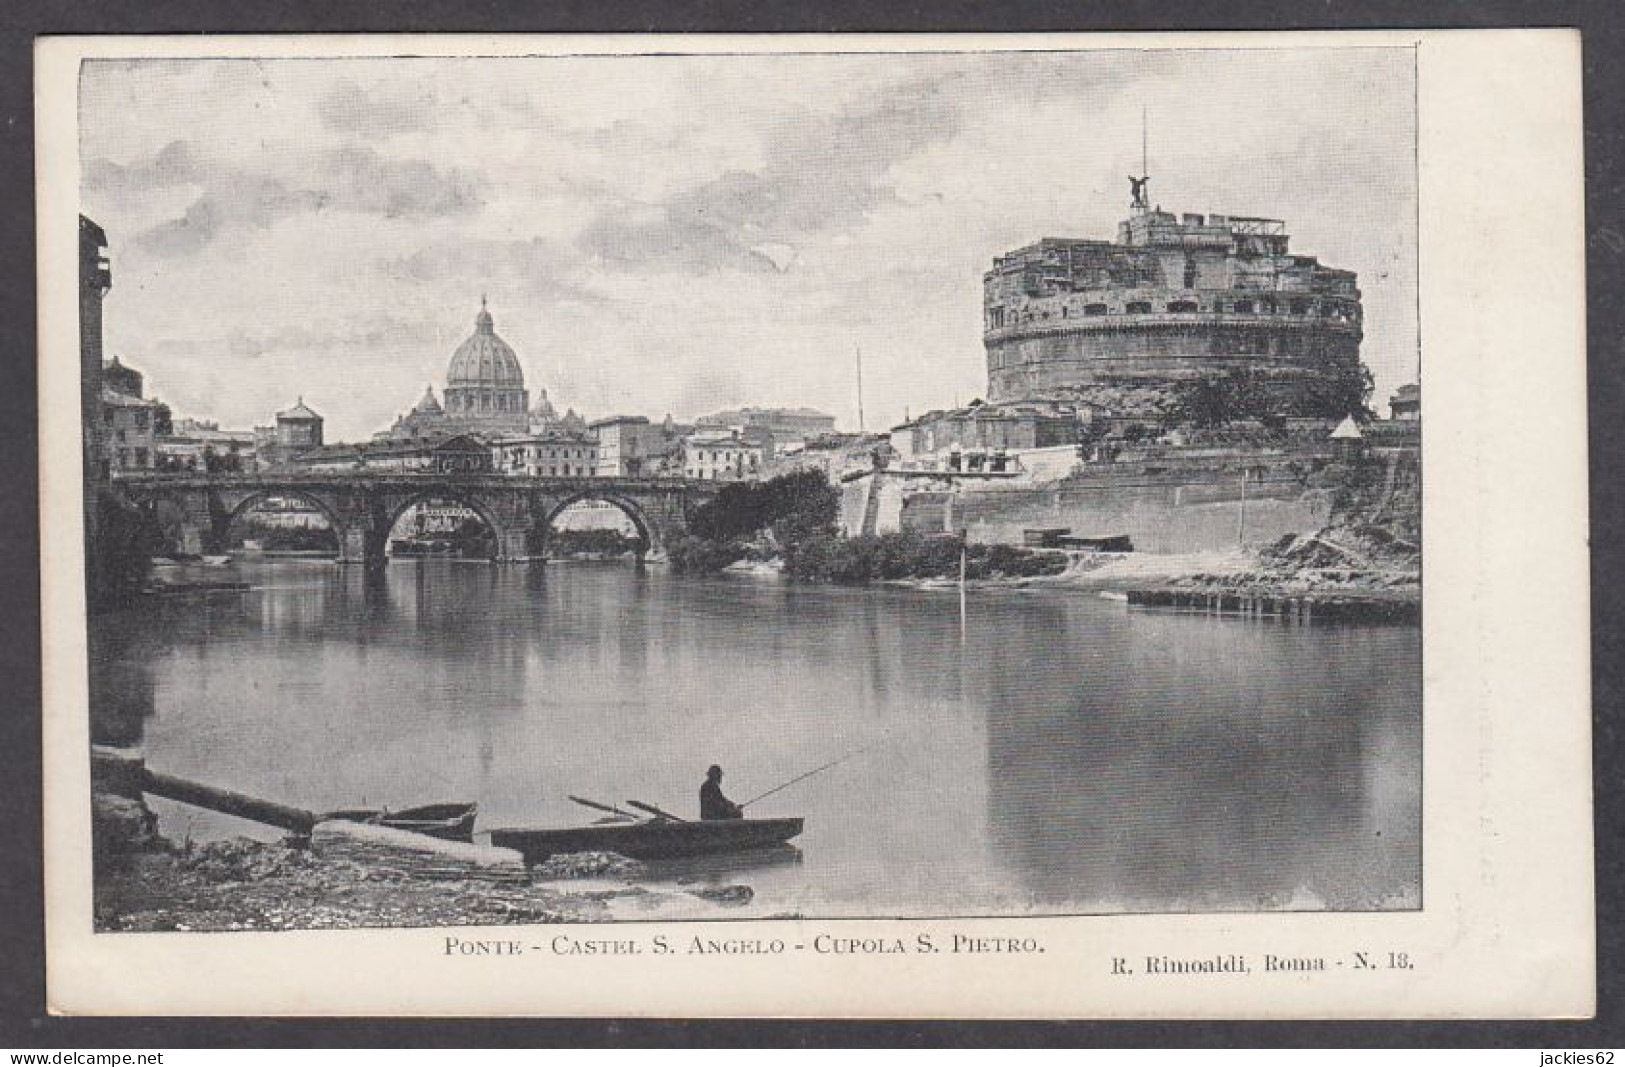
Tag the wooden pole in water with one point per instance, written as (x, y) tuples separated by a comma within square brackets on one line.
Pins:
[(1241, 519), (224, 800), (964, 548)]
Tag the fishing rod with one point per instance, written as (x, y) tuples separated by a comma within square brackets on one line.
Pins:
[(799, 777)]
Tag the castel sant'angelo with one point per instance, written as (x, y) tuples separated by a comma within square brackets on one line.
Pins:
[(1172, 300)]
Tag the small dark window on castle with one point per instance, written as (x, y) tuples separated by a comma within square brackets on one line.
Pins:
[(1182, 307), (1190, 273), (1267, 307), (1244, 307), (1137, 307), (1299, 307), (1094, 309)]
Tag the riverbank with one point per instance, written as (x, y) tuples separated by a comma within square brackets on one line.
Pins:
[(1347, 573), (145, 882), (1336, 567)]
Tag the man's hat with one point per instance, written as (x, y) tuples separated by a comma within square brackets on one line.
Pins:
[(714, 772)]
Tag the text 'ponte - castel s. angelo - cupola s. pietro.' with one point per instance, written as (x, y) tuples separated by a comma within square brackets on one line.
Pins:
[(485, 395)]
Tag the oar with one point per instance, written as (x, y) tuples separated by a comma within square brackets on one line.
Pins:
[(651, 809), (612, 809), (799, 777)]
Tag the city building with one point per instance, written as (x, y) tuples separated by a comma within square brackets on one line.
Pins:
[(196, 444), (126, 380), (723, 455), (297, 430), (549, 455), (432, 518), (784, 425), (1172, 300), (986, 434), (630, 446), (452, 454), (95, 279), (129, 422), (129, 441), (288, 513), (1406, 403)]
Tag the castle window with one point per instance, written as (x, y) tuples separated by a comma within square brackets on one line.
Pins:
[(1182, 307), (1138, 307), (1298, 307), (1244, 307), (1094, 309), (1190, 273), (1267, 307)]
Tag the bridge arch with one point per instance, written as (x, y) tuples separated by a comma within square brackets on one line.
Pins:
[(171, 521), (647, 530), (501, 533), (234, 514)]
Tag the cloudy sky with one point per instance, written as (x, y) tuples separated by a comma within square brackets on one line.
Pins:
[(686, 233)]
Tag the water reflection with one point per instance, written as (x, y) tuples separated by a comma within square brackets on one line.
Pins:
[(1060, 753)]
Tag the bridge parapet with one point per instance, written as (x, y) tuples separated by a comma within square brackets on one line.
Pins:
[(363, 506)]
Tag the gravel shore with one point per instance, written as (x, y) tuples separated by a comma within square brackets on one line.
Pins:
[(147, 884)]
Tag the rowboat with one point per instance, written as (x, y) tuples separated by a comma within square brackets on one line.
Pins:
[(652, 840), (451, 822)]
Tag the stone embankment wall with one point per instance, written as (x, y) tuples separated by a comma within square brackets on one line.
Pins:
[(1161, 510)]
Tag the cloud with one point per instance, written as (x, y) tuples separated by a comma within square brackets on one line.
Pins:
[(378, 111), (375, 334), (235, 197), (821, 173), (175, 164), (540, 266), (359, 179)]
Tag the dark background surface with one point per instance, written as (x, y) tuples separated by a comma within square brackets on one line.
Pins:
[(23, 1022)]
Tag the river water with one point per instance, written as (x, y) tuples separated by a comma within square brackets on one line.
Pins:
[(1050, 751)]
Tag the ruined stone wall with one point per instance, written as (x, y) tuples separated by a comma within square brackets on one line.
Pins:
[(1191, 510)]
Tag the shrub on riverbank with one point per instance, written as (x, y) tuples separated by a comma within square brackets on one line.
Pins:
[(910, 555), (793, 517), (757, 520), (699, 555)]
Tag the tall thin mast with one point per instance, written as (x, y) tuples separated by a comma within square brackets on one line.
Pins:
[(858, 349)]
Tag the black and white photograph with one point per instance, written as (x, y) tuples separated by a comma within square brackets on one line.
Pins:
[(556, 489), (924, 503)]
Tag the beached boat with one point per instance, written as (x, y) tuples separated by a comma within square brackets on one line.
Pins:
[(655, 839), (451, 822)]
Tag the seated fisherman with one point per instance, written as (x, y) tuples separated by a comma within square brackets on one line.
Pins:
[(713, 805)]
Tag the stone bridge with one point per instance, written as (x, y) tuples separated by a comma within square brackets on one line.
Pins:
[(363, 506)]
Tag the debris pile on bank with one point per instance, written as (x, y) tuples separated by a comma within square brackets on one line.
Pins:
[(589, 865), (1348, 559), (410, 855), (351, 875)]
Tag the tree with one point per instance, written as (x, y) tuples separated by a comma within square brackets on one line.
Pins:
[(121, 559), (1345, 390), (1213, 401)]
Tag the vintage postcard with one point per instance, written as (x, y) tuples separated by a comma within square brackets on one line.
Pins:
[(788, 526)]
